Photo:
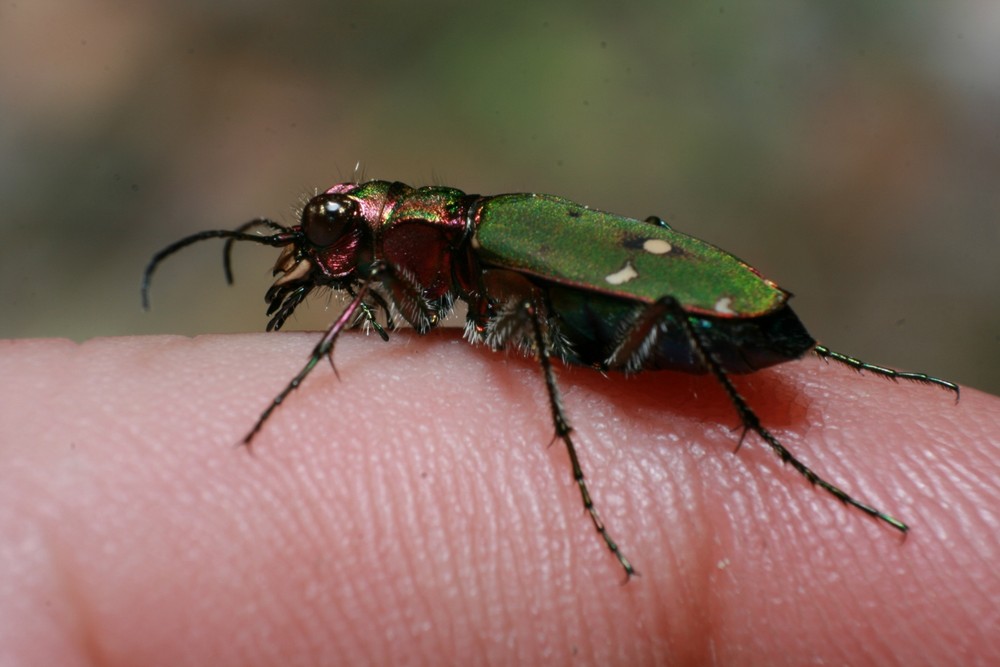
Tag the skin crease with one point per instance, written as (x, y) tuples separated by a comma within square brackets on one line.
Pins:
[(412, 513)]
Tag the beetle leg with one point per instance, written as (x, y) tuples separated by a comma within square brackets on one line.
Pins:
[(408, 296), (752, 423), (543, 346), (323, 348), (638, 337), (892, 374), (390, 322), (368, 314)]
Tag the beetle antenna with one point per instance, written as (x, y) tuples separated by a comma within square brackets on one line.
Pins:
[(227, 250), (275, 240)]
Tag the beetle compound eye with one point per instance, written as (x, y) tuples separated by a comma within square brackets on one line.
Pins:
[(325, 218)]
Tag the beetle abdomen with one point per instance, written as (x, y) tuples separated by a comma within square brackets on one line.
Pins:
[(593, 327)]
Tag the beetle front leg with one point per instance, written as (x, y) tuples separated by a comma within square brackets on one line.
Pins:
[(323, 348), (543, 347)]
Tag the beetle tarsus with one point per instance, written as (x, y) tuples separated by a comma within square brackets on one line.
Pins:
[(892, 374)]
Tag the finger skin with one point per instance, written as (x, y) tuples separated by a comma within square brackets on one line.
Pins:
[(413, 512)]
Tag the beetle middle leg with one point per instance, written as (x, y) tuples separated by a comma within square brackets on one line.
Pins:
[(532, 310)]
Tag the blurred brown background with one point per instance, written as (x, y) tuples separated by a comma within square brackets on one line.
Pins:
[(850, 150)]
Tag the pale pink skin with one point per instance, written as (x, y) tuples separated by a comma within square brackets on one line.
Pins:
[(414, 512)]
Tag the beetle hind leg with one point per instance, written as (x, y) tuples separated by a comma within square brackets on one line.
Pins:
[(890, 373), (751, 422)]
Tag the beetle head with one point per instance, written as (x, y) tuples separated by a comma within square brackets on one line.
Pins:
[(327, 246)]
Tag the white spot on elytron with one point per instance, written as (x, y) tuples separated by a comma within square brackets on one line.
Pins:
[(657, 246), (722, 306), (622, 276)]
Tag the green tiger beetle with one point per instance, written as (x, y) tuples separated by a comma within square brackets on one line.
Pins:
[(542, 274)]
